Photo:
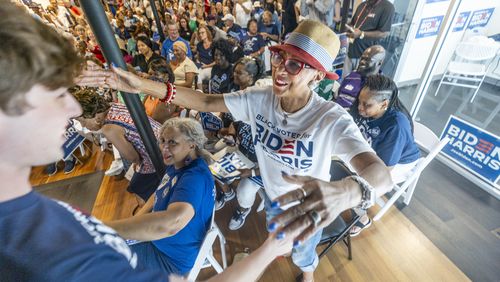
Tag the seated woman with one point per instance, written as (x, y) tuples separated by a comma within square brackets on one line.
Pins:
[(175, 219), (387, 126), (247, 71), (221, 78), (204, 58), (185, 70), (115, 122), (253, 43), (146, 54)]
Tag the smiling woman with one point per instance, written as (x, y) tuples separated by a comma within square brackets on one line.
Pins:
[(305, 120)]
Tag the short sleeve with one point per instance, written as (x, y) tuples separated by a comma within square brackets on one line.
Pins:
[(385, 19), (391, 148), (190, 67), (349, 141), (238, 105), (187, 189)]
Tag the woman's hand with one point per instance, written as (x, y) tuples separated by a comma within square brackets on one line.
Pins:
[(94, 76), (326, 199)]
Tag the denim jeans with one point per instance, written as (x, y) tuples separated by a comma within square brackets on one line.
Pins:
[(303, 256), (149, 257)]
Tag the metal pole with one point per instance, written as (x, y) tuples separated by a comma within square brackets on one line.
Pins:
[(162, 7), (98, 21), (157, 20)]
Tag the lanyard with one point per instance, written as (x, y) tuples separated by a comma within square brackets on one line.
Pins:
[(366, 16)]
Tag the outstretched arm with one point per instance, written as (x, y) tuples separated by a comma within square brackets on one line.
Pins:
[(128, 82)]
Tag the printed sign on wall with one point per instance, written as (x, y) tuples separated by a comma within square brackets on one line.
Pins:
[(473, 148), (480, 18), (461, 21), (429, 26)]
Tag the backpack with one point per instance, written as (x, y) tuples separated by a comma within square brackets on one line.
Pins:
[(349, 90)]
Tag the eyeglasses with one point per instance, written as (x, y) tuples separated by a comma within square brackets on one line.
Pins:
[(292, 66)]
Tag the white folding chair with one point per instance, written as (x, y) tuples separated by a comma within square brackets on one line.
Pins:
[(426, 139), (468, 66), (206, 257)]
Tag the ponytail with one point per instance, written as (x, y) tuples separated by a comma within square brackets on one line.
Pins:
[(384, 88)]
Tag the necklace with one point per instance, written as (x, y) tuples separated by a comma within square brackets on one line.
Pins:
[(285, 114)]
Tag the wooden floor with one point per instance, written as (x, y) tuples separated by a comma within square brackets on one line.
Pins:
[(392, 249)]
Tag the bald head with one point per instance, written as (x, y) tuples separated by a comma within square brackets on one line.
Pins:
[(371, 60)]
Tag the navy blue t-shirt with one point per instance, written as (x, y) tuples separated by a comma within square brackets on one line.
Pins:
[(390, 137), (45, 240), (221, 80), (204, 55), (195, 185), (252, 44)]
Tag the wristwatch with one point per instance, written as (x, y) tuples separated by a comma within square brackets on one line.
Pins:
[(362, 35), (368, 196)]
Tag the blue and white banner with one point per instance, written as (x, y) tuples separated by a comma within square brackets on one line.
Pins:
[(210, 121), (461, 21), (473, 148), (344, 47), (429, 26), (73, 140), (480, 18)]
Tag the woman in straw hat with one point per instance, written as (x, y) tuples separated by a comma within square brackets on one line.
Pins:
[(295, 134)]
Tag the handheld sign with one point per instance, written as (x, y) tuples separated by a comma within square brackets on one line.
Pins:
[(73, 141), (225, 169), (210, 122)]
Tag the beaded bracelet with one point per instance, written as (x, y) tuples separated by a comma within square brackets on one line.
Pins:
[(170, 93)]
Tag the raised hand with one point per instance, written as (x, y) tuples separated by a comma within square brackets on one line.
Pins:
[(94, 76), (319, 203)]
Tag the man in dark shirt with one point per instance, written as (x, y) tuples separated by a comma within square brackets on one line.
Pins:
[(371, 22)]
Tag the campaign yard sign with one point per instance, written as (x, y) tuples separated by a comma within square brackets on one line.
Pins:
[(473, 148), (480, 18), (429, 26), (210, 121), (461, 21), (73, 140)]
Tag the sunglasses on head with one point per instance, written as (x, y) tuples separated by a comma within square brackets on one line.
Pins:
[(292, 66)]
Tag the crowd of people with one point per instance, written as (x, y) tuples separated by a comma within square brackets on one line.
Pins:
[(212, 60)]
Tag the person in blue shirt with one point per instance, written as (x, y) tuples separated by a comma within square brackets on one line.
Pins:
[(253, 43), (175, 219), (167, 50), (268, 29), (387, 126)]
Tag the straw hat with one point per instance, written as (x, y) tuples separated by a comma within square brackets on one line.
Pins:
[(315, 43)]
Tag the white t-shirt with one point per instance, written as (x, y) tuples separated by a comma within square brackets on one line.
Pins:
[(305, 145), (241, 17)]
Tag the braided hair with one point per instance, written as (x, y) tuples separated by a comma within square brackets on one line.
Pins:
[(383, 88)]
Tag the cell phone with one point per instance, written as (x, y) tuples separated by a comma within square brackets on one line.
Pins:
[(350, 28)]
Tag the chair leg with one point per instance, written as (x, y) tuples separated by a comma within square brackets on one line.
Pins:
[(445, 98), (409, 193), (389, 203), (349, 250), (214, 263)]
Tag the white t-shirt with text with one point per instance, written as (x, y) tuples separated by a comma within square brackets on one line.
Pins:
[(305, 145)]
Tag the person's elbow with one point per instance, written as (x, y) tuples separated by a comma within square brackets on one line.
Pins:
[(384, 34)]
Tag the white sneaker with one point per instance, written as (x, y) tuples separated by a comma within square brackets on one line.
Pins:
[(115, 168)]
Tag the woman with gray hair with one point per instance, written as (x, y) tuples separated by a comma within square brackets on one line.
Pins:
[(174, 221)]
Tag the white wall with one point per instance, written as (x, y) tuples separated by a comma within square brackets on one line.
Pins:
[(411, 66)]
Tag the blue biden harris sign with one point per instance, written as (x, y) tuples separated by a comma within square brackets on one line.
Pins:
[(473, 148)]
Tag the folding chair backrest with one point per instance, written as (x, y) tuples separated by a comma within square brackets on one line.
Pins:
[(474, 52), (424, 137)]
